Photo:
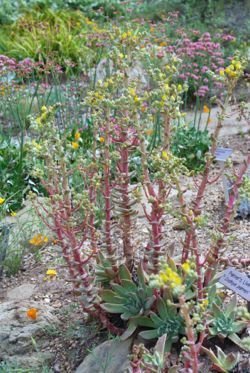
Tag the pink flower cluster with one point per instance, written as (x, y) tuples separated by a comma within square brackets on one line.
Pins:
[(199, 58), (27, 67)]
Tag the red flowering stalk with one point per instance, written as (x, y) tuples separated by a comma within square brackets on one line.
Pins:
[(125, 143), (213, 255), (191, 352), (107, 195), (156, 196)]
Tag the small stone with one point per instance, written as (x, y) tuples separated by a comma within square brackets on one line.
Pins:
[(24, 291)]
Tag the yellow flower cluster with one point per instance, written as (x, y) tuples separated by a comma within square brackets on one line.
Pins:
[(2, 200), (186, 266), (38, 240), (43, 117), (132, 93), (75, 143), (234, 70), (168, 276), (204, 304)]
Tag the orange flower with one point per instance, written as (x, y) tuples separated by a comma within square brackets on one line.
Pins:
[(38, 240), (32, 313), (149, 131), (206, 109)]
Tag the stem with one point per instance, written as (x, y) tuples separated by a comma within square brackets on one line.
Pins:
[(213, 254)]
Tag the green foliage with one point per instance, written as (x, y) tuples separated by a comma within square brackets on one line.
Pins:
[(222, 362), (128, 298), (224, 321), (191, 144), (167, 321), (47, 34), (14, 179)]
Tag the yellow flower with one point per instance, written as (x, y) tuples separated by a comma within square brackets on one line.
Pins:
[(88, 22), (51, 272), (204, 304), (163, 44), (238, 66), (101, 139), (165, 155), (186, 267), (169, 277), (32, 313), (2, 200), (38, 240), (222, 72), (132, 92), (75, 145), (35, 145), (13, 213), (77, 136), (206, 109), (43, 109)]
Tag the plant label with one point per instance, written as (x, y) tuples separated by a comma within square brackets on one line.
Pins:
[(222, 154), (236, 281)]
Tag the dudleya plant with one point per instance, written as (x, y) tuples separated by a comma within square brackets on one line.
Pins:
[(136, 284)]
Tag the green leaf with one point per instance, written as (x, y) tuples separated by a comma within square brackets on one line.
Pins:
[(231, 306), (156, 319), (113, 308), (161, 308), (124, 273), (129, 285), (144, 321), (110, 296), (149, 334), (129, 331), (141, 274), (120, 290), (236, 339)]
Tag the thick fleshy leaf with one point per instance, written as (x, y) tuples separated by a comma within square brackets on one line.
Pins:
[(141, 275), (113, 308), (129, 331), (231, 306), (149, 303), (110, 296), (120, 290), (144, 321), (172, 264), (149, 334), (216, 310), (236, 339), (156, 319), (210, 353), (124, 273), (160, 345), (239, 326), (128, 285), (161, 308)]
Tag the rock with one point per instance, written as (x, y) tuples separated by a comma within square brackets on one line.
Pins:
[(38, 361), (24, 291), (110, 356), (18, 332)]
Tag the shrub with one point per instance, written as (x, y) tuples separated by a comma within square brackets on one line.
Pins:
[(130, 289)]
